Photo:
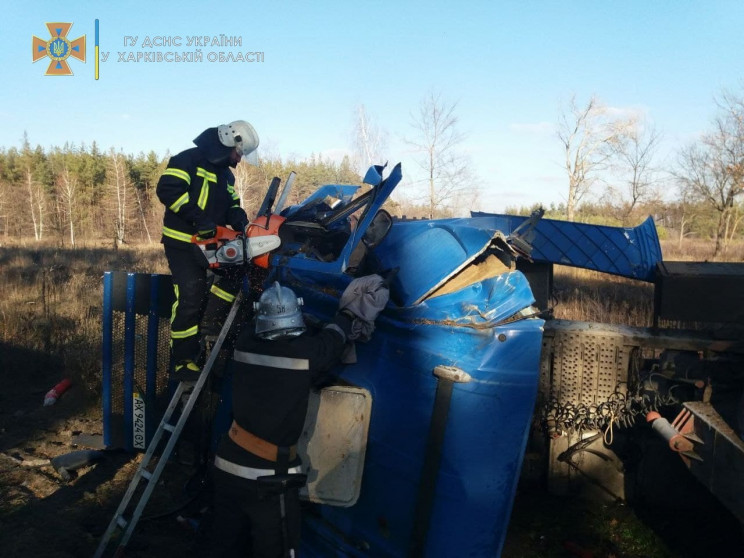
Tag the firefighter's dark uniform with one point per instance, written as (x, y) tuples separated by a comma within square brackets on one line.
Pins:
[(197, 189), (271, 386)]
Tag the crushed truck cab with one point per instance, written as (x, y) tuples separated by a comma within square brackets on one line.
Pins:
[(418, 449)]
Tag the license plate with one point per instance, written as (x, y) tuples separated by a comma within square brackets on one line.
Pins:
[(138, 421)]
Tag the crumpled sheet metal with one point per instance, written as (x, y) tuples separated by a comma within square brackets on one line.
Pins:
[(430, 253), (484, 304)]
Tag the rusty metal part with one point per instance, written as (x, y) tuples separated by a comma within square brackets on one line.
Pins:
[(452, 373), (680, 434)]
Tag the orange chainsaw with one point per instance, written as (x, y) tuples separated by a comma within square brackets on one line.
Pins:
[(229, 248)]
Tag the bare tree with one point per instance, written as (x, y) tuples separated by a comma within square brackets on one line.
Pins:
[(447, 170), (33, 166), (588, 135), (3, 206), (729, 141), (120, 188), (369, 141), (142, 213), (67, 186), (712, 170), (250, 185), (685, 217), (633, 154), (729, 137), (35, 194)]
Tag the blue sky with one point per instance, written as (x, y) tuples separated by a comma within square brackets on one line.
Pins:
[(510, 66)]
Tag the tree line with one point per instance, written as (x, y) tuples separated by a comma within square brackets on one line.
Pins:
[(73, 195)]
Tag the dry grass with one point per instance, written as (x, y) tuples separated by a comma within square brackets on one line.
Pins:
[(581, 294), (695, 250), (50, 302)]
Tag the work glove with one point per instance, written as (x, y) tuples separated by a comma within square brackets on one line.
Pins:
[(364, 298), (205, 234), (241, 226)]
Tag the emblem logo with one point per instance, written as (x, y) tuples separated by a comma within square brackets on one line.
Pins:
[(58, 48)]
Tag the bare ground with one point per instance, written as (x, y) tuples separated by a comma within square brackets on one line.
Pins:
[(42, 514)]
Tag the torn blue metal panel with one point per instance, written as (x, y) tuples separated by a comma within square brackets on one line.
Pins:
[(626, 251), (430, 252), (330, 194), (296, 256)]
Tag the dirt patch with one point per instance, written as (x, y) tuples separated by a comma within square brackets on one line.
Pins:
[(44, 515)]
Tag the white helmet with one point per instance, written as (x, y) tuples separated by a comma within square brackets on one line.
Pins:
[(278, 313), (241, 135)]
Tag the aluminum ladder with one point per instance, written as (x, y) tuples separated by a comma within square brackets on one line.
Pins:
[(151, 476)]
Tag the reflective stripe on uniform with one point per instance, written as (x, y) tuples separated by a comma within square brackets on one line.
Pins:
[(224, 295), (206, 174), (176, 205), (250, 473), (204, 194), (175, 303), (272, 361), (185, 333), (233, 193), (178, 173), (176, 235), (188, 365)]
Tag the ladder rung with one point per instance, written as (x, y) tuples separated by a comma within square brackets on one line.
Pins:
[(187, 393)]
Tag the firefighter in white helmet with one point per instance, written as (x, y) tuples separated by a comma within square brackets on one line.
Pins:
[(198, 191), (276, 363)]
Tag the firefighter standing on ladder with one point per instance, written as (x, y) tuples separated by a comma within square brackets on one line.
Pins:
[(197, 189)]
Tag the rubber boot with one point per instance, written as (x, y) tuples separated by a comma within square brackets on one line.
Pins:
[(186, 371)]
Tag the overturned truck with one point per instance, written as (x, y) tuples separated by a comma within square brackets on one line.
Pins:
[(419, 448)]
